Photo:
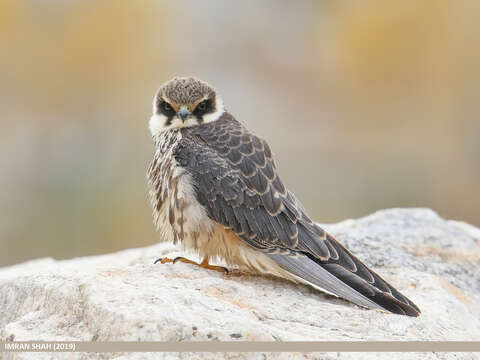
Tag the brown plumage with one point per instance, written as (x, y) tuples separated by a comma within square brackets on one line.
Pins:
[(215, 188)]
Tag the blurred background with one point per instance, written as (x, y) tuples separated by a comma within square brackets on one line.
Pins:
[(367, 105)]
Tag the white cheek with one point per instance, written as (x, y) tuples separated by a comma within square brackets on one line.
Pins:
[(218, 112), (157, 124)]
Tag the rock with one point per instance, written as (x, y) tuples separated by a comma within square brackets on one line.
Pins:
[(124, 296)]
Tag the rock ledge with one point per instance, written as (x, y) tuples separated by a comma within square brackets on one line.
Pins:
[(123, 296)]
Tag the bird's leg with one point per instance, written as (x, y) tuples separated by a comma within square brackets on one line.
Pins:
[(204, 264)]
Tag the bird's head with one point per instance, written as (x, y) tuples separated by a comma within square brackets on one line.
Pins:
[(182, 102)]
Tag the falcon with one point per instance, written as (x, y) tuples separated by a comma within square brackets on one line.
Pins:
[(215, 188)]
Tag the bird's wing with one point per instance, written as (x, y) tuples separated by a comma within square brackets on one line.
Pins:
[(236, 180)]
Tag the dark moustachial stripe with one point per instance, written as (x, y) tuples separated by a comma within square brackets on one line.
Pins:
[(169, 113), (210, 108)]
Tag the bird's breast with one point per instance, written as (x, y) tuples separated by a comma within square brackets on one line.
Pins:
[(178, 215)]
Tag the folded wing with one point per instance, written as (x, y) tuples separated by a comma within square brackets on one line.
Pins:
[(236, 180)]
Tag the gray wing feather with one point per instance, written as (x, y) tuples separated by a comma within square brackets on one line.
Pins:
[(308, 270), (235, 179)]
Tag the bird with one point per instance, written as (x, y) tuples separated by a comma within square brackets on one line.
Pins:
[(215, 189)]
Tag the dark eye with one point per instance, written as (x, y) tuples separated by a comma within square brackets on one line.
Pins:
[(166, 107), (203, 105)]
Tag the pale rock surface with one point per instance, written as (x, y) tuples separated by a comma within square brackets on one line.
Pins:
[(124, 296)]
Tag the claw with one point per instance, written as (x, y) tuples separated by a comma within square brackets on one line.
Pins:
[(164, 260), (182, 259)]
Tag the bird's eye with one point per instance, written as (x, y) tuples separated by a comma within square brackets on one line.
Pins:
[(203, 105), (166, 106)]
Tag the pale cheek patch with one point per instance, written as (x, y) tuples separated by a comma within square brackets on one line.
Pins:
[(157, 124), (218, 112)]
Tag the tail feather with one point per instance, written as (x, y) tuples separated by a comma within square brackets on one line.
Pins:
[(358, 284), (367, 274)]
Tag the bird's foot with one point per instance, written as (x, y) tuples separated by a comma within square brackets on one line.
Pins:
[(204, 264)]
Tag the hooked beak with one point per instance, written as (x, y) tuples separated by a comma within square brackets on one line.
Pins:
[(184, 113)]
